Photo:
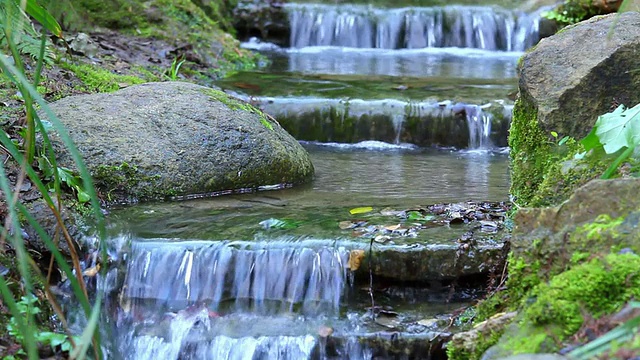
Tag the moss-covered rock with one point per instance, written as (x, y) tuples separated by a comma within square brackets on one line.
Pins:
[(599, 217), (560, 257), (471, 345), (565, 83), (159, 140), (553, 311)]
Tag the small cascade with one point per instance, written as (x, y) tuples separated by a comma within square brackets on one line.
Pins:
[(422, 123), (480, 27), (255, 277), (194, 299), (479, 124)]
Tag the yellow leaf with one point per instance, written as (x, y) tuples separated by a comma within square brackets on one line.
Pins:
[(361, 210), (91, 272)]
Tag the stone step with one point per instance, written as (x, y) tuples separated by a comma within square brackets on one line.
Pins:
[(427, 123)]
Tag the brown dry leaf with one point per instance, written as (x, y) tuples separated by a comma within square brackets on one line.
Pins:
[(392, 227), (346, 225), (91, 272), (355, 259)]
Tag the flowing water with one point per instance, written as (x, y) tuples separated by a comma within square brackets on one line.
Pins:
[(399, 108)]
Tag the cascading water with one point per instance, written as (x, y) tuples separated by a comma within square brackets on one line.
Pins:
[(479, 123), (225, 300), (355, 26), (419, 70)]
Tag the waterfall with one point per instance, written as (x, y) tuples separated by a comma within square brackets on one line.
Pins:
[(255, 277), (480, 27), (479, 124)]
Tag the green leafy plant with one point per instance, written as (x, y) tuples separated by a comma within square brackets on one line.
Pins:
[(66, 176), (617, 132), (563, 140), (16, 28), (21, 158), (28, 308), (622, 333), (172, 73)]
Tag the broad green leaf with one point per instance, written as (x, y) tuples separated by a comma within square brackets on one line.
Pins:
[(591, 141), (42, 16), (361, 210), (83, 197), (619, 129), (417, 216)]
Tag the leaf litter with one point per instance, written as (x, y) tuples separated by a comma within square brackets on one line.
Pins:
[(486, 217)]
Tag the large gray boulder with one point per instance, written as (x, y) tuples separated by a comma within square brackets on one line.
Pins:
[(158, 140), (582, 72), (566, 82)]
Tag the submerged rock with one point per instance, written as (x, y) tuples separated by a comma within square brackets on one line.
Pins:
[(158, 140), (566, 82)]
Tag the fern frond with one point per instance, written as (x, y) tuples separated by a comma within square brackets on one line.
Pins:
[(24, 35), (30, 46)]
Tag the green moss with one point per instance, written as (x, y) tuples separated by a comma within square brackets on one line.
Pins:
[(183, 20), (565, 173), (526, 344), (119, 181), (458, 352), (530, 152), (544, 173), (598, 287), (100, 80), (113, 14), (553, 311), (494, 304), (176, 21), (236, 104)]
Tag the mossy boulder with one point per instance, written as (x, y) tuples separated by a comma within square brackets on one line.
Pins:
[(554, 311), (565, 83), (598, 218), (565, 262), (159, 140)]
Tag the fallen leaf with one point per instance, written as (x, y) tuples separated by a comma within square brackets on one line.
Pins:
[(91, 272), (388, 319), (390, 212), (355, 259), (382, 239), (392, 227), (351, 224), (361, 210), (344, 225)]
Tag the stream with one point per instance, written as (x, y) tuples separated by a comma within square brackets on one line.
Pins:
[(405, 113)]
